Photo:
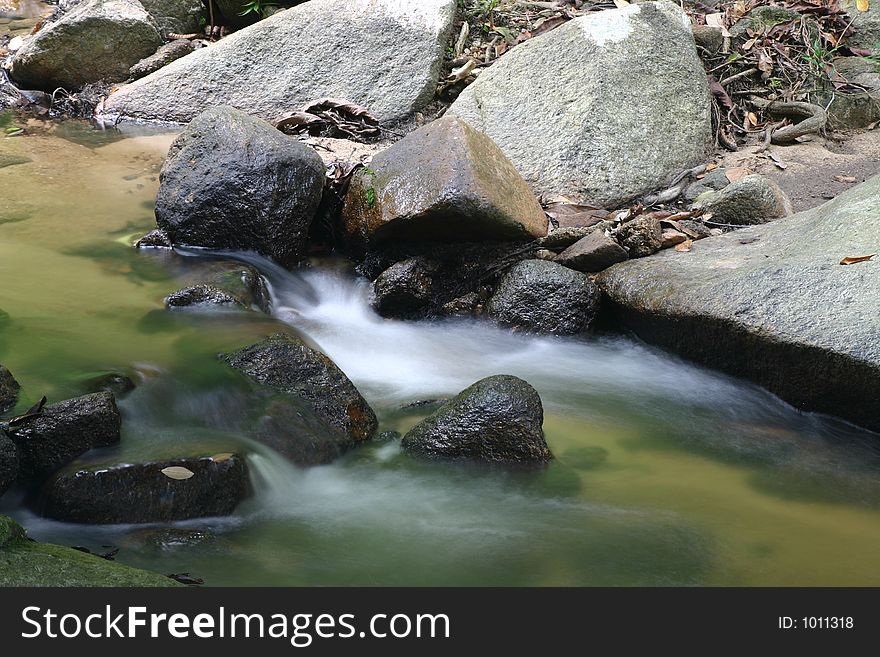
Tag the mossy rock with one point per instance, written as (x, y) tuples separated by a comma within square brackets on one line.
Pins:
[(26, 563)]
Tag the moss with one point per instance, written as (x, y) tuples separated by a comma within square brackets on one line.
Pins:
[(25, 563)]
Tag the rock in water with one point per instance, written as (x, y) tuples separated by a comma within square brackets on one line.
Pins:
[(771, 303), (8, 463), (382, 54), (224, 283), (158, 491), (445, 182), (231, 181), (496, 419), (96, 40), (63, 431), (602, 109), (287, 364), (9, 388), (544, 297), (753, 199)]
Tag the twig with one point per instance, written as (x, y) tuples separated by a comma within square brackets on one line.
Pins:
[(737, 76)]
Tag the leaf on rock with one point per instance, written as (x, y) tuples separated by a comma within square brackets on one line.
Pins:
[(219, 458), (684, 247), (851, 260), (178, 472), (862, 5), (737, 173)]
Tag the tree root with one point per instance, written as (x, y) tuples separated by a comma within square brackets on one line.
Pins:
[(814, 119)]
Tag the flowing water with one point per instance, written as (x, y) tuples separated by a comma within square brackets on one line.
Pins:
[(666, 473)]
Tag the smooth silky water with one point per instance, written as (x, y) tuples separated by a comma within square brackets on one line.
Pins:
[(666, 473)]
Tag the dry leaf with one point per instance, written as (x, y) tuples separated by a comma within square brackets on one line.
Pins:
[(672, 237), (621, 3), (685, 246), (737, 173), (851, 260), (225, 456), (178, 472), (711, 166), (778, 161), (862, 5), (846, 179)]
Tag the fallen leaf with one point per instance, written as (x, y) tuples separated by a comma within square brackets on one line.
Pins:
[(737, 173), (672, 237), (846, 179), (851, 260), (621, 3), (862, 5), (219, 458), (684, 247), (178, 472), (778, 161)]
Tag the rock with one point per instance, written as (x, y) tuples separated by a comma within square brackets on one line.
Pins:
[(544, 297), (62, 432), (754, 199), (155, 239), (866, 25), (9, 388), (406, 288), (287, 364), (8, 463), (162, 57), (96, 40), (770, 303), (115, 382), (226, 283), (231, 181), (760, 19), (497, 419), (641, 236), (853, 110), (712, 181), (562, 238), (393, 69), (467, 305), (592, 253), (176, 16), (445, 182), (710, 39), (561, 106), (26, 563), (156, 491)]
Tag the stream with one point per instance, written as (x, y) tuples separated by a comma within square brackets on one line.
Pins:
[(666, 473)]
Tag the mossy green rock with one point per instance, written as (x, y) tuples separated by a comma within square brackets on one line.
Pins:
[(25, 563)]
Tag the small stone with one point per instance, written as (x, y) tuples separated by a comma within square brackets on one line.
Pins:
[(562, 238), (709, 38), (155, 239), (754, 199), (641, 236), (592, 253), (405, 289)]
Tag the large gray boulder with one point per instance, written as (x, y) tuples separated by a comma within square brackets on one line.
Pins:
[(445, 182), (59, 433), (602, 109), (771, 303), (544, 297), (155, 491), (9, 388), (383, 55), (232, 181), (176, 16), (96, 40), (497, 419)]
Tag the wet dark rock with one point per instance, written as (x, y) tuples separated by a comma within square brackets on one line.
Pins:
[(160, 491), (496, 419), (562, 238), (114, 382), (63, 431), (592, 253), (753, 199), (445, 182), (8, 463), (223, 283), (155, 239), (544, 297), (405, 289), (641, 236), (467, 305), (286, 363), (201, 295), (162, 57), (388, 436), (9, 388), (231, 181)]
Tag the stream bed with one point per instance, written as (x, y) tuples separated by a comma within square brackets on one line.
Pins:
[(666, 473)]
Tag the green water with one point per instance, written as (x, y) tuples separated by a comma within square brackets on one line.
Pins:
[(666, 474)]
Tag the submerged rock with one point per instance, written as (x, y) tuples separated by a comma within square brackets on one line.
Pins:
[(162, 57), (160, 491), (9, 388), (225, 283), (231, 181), (592, 253), (753, 199), (561, 105), (382, 55), (24, 562), (8, 463), (63, 431), (114, 382), (771, 303), (445, 182), (96, 40), (544, 297), (155, 239), (287, 364), (496, 419)]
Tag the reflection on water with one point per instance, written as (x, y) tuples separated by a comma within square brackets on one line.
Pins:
[(665, 473)]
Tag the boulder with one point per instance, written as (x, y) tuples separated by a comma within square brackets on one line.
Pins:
[(61, 432), (771, 303), (24, 562), (497, 419), (445, 182), (709, 38), (754, 199), (382, 55), (866, 25), (176, 16), (641, 236), (562, 105), (96, 40), (231, 181), (406, 288), (225, 283), (9, 388), (287, 364), (592, 253), (711, 182), (162, 57), (156, 491), (8, 463), (544, 297)]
